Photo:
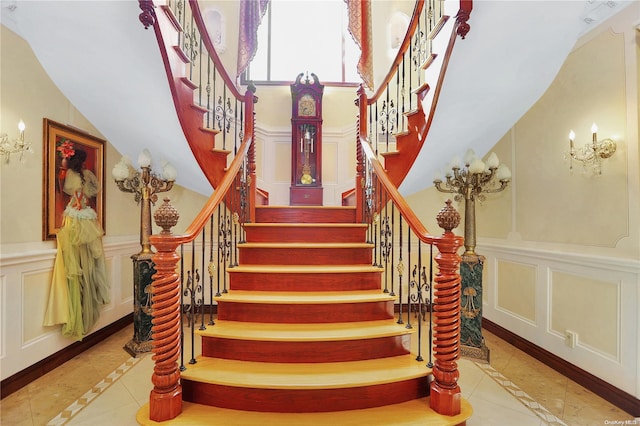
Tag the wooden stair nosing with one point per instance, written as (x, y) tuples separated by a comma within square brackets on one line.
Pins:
[(295, 245), (303, 376), (409, 413), (305, 298), (278, 332), (305, 269)]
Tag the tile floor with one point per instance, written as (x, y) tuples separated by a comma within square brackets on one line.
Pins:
[(105, 386)]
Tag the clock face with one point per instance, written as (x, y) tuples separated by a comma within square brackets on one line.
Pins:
[(307, 106)]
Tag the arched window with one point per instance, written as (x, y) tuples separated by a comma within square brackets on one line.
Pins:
[(305, 36)]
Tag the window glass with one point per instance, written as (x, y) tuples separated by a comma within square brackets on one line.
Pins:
[(305, 36)]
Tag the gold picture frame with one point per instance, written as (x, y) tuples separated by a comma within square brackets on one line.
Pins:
[(59, 139)]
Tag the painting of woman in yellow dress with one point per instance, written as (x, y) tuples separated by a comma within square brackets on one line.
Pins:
[(79, 285)]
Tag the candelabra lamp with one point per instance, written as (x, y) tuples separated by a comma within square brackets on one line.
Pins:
[(145, 185), (470, 180), (591, 155), (14, 146)]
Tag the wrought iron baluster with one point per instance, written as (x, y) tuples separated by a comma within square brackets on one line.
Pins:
[(404, 125), (225, 246), (376, 220), (182, 307), (370, 117), (400, 269), (211, 269), (202, 249), (430, 304), (418, 281), (236, 221), (208, 90), (409, 283), (376, 133), (219, 247), (235, 127), (385, 243), (392, 256)]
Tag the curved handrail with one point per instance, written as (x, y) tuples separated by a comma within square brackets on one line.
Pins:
[(214, 200), (206, 39), (412, 220), (406, 43)]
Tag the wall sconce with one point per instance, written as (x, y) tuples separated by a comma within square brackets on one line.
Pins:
[(469, 179), (591, 155), (145, 185), (15, 146)]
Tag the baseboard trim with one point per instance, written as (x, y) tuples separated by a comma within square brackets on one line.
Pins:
[(604, 390), (22, 378)]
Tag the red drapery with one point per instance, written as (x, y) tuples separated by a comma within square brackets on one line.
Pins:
[(251, 13), (360, 29)]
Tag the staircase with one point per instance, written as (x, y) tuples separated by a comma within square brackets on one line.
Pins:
[(306, 328)]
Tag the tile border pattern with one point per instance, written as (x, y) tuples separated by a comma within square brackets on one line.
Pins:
[(72, 410), (68, 413), (520, 395)]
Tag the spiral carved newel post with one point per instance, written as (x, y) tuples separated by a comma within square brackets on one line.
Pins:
[(165, 401), (445, 392)]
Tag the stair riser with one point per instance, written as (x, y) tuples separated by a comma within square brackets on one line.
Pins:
[(304, 401), (306, 256), (303, 352), (305, 234), (305, 282), (304, 313), (304, 215)]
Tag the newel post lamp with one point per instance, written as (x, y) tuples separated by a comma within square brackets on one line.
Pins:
[(470, 179), (145, 185)]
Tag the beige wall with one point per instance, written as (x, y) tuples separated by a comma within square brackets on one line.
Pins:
[(273, 136), (26, 262), (563, 249)]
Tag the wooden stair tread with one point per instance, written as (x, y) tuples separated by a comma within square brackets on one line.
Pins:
[(305, 376), (306, 207), (410, 413), (304, 269), (305, 225), (300, 298), (304, 332), (279, 245)]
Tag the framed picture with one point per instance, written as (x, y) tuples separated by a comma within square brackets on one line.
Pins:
[(60, 143)]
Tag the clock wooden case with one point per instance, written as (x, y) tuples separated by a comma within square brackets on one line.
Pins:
[(306, 141)]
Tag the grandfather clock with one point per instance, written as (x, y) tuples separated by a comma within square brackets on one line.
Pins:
[(306, 142)]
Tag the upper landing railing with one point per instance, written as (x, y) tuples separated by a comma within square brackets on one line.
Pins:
[(398, 114), (212, 111), (195, 89)]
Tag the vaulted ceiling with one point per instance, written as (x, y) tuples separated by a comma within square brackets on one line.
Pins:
[(110, 68)]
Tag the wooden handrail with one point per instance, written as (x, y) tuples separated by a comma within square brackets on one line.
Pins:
[(412, 220), (406, 44), (206, 39), (212, 203)]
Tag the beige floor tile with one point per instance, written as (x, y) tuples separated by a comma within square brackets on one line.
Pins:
[(49, 395), (16, 409)]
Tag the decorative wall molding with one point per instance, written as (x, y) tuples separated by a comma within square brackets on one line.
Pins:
[(617, 397), (619, 369)]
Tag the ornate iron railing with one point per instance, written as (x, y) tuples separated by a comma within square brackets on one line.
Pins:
[(179, 293), (211, 109), (427, 300), (398, 114)]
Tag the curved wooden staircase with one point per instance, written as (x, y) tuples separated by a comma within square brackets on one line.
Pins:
[(306, 328), (304, 333)]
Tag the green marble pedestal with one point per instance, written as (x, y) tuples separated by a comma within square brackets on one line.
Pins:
[(472, 342), (143, 270)]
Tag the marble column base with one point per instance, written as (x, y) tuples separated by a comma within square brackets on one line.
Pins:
[(472, 343), (479, 354), (143, 270)]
